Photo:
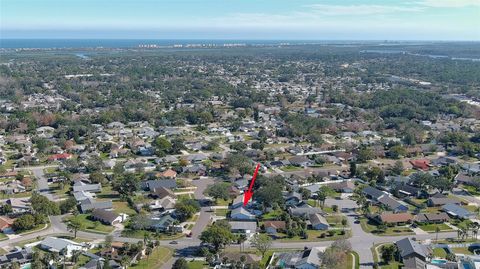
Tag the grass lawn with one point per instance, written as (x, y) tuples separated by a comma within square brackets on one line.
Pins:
[(92, 226), (221, 212), (274, 214), (3, 236), (471, 189), (122, 207), (439, 252), (460, 223), (60, 192), (335, 221), (370, 227), (107, 193), (140, 234), (431, 210), (221, 202), (197, 265), (317, 235), (431, 228), (159, 256), (184, 196), (290, 168), (462, 251)]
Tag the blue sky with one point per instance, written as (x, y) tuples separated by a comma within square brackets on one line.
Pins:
[(242, 19)]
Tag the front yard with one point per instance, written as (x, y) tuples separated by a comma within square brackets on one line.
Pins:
[(318, 235), (371, 227), (89, 225), (159, 256), (431, 228)]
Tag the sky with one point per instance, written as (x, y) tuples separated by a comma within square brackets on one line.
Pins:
[(242, 19)]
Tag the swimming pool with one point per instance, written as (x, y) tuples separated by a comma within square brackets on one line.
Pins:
[(439, 261)]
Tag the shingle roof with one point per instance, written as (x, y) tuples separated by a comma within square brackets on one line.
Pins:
[(104, 215), (457, 210), (407, 246), (373, 192), (154, 184), (243, 225)]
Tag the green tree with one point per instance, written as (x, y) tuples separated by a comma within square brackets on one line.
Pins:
[(218, 235), (186, 208), (75, 224), (218, 191), (262, 242), (180, 263)]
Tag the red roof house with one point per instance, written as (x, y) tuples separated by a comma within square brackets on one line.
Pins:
[(60, 157), (420, 164)]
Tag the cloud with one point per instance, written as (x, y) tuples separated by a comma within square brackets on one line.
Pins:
[(361, 10), (450, 3)]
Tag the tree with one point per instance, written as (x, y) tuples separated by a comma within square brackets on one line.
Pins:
[(125, 261), (180, 263), (344, 223), (126, 184), (186, 208), (397, 151), (335, 208), (67, 205), (365, 154), (108, 242), (74, 224), (397, 168), (262, 242), (342, 245), (388, 252), (162, 145), (27, 222), (218, 191), (218, 235), (333, 258), (41, 204), (353, 168)]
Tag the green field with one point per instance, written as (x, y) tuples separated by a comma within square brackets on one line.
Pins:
[(159, 256), (92, 226), (431, 228)]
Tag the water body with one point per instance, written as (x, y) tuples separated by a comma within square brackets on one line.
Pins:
[(420, 55), (134, 43)]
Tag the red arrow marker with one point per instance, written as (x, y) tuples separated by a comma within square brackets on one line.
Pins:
[(248, 193)]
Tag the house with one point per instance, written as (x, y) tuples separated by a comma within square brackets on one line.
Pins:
[(317, 222), (155, 184), (442, 200), (6, 225), (45, 131), (196, 158), (372, 193), (301, 161), (162, 192), (106, 216), (244, 227), (241, 213), (457, 211), (60, 157), (304, 212), (98, 263), (61, 245), (466, 179), (169, 173), (420, 164), (21, 257), (91, 204), (19, 205), (443, 161), (82, 195), (167, 203), (164, 223), (413, 254), (405, 190), (81, 186), (237, 202), (346, 186), (395, 218), (306, 259), (392, 204), (293, 199), (430, 218), (274, 226)]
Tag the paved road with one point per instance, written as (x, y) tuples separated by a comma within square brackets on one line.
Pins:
[(42, 182)]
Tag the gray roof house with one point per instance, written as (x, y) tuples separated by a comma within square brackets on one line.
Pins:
[(393, 204), (241, 213), (80, 186), (317, 222), (413, 254), (247, 227), (304, 211), (155, 184), (372, 193), (106, 216), (458, 211), (306, 259), (91, 204), (54, 244)]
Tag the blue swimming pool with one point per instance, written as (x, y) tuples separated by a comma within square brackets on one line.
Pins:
[(439, 261)]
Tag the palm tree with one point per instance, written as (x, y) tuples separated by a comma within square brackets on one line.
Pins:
[(436, 231), (125, 261), (74, 225)]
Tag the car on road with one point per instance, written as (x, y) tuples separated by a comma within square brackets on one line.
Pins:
[(357, 221), (173, 242)]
